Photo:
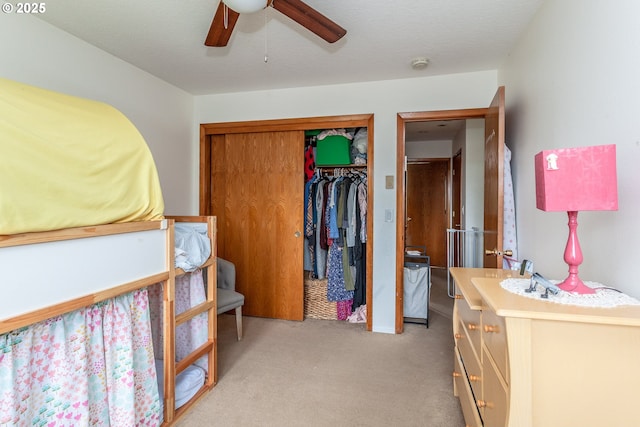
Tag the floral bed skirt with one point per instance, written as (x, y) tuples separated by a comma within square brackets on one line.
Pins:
[(93, 366)]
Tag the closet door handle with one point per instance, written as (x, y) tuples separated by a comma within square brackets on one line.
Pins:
[(297, 234)]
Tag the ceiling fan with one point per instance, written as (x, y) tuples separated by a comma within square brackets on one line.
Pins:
[(229, 10)]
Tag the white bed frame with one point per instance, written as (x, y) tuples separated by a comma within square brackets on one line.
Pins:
[(47, 274)]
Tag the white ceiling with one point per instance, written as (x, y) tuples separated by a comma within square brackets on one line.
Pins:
[(434, 130), (166, 38)]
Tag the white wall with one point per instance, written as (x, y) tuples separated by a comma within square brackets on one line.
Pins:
[(385, 100), (572, 80), (473, 175), (470, 142), (36, 53)]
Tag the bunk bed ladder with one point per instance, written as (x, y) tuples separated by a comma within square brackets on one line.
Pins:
[(172, 321)]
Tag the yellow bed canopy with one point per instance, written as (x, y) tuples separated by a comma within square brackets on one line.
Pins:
[(70, 162)]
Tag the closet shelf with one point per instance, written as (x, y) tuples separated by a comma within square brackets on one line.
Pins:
[(352, 166)]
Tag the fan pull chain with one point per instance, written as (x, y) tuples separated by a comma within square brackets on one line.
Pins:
[(266, 37)]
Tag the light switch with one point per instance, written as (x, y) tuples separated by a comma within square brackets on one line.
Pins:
[(388, 182), (388, 215)]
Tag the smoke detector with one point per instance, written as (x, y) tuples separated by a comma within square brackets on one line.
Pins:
[(419, 63)]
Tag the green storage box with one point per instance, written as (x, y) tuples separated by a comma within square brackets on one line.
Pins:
[(333, 150)]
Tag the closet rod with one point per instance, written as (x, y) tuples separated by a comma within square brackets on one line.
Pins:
[(337, 171)]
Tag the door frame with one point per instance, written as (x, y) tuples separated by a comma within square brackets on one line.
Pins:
[(210, 130), (402, 119)]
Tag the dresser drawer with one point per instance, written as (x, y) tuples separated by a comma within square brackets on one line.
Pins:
[(467, 401), (494, 403), (470, 320), (471, 363), (494, 336)]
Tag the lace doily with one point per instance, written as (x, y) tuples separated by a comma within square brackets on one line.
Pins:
[(604, 297)]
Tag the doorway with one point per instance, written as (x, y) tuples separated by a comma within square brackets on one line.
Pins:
[(427, 201), (493, 190), (402, 120)]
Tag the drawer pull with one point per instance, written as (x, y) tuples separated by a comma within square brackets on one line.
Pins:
[(472, 326), (457, 336), (458, 296), (474, 378), (491, 328), (456, 374)]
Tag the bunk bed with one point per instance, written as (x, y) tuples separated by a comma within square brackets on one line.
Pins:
[(83, 241)]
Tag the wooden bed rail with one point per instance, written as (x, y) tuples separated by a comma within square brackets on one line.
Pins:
[(80, 232), (17, 322), (65, 267)]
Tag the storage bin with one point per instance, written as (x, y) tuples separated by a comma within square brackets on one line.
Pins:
[(416, 290), (316, 305), (333, 150)]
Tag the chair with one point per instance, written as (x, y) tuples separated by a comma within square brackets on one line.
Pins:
[(228, 298)]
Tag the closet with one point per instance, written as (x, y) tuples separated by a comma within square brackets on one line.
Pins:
[(251, 176), (335, 221)]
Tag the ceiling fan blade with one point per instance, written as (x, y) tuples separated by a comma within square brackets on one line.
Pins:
[(310, 18), (219, 34)]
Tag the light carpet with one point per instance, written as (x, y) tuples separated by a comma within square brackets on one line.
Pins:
[(330, 373)]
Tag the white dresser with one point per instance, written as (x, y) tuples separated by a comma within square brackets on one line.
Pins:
[(534, 363)]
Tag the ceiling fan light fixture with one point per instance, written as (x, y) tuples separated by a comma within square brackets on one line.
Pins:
[(246, 6), (228, 11)]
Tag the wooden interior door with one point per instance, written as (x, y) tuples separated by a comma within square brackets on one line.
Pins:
[(263, 184), (454, 249), (493, 181), (456, 191), (427, 207)]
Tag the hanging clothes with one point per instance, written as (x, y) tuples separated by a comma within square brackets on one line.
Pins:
[(359, 249), (335, 276), (322, 239), (333, 228), (309, 162), (308, 227)]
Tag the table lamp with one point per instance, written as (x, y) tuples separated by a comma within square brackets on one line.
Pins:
[(572, 180)]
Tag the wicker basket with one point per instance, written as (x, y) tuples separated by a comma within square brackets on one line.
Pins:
[(316, 305)]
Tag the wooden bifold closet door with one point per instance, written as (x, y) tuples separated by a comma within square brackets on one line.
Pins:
[(257, 181)]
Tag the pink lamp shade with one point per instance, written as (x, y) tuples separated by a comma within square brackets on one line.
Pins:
[(577, 179), (572, 180)]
